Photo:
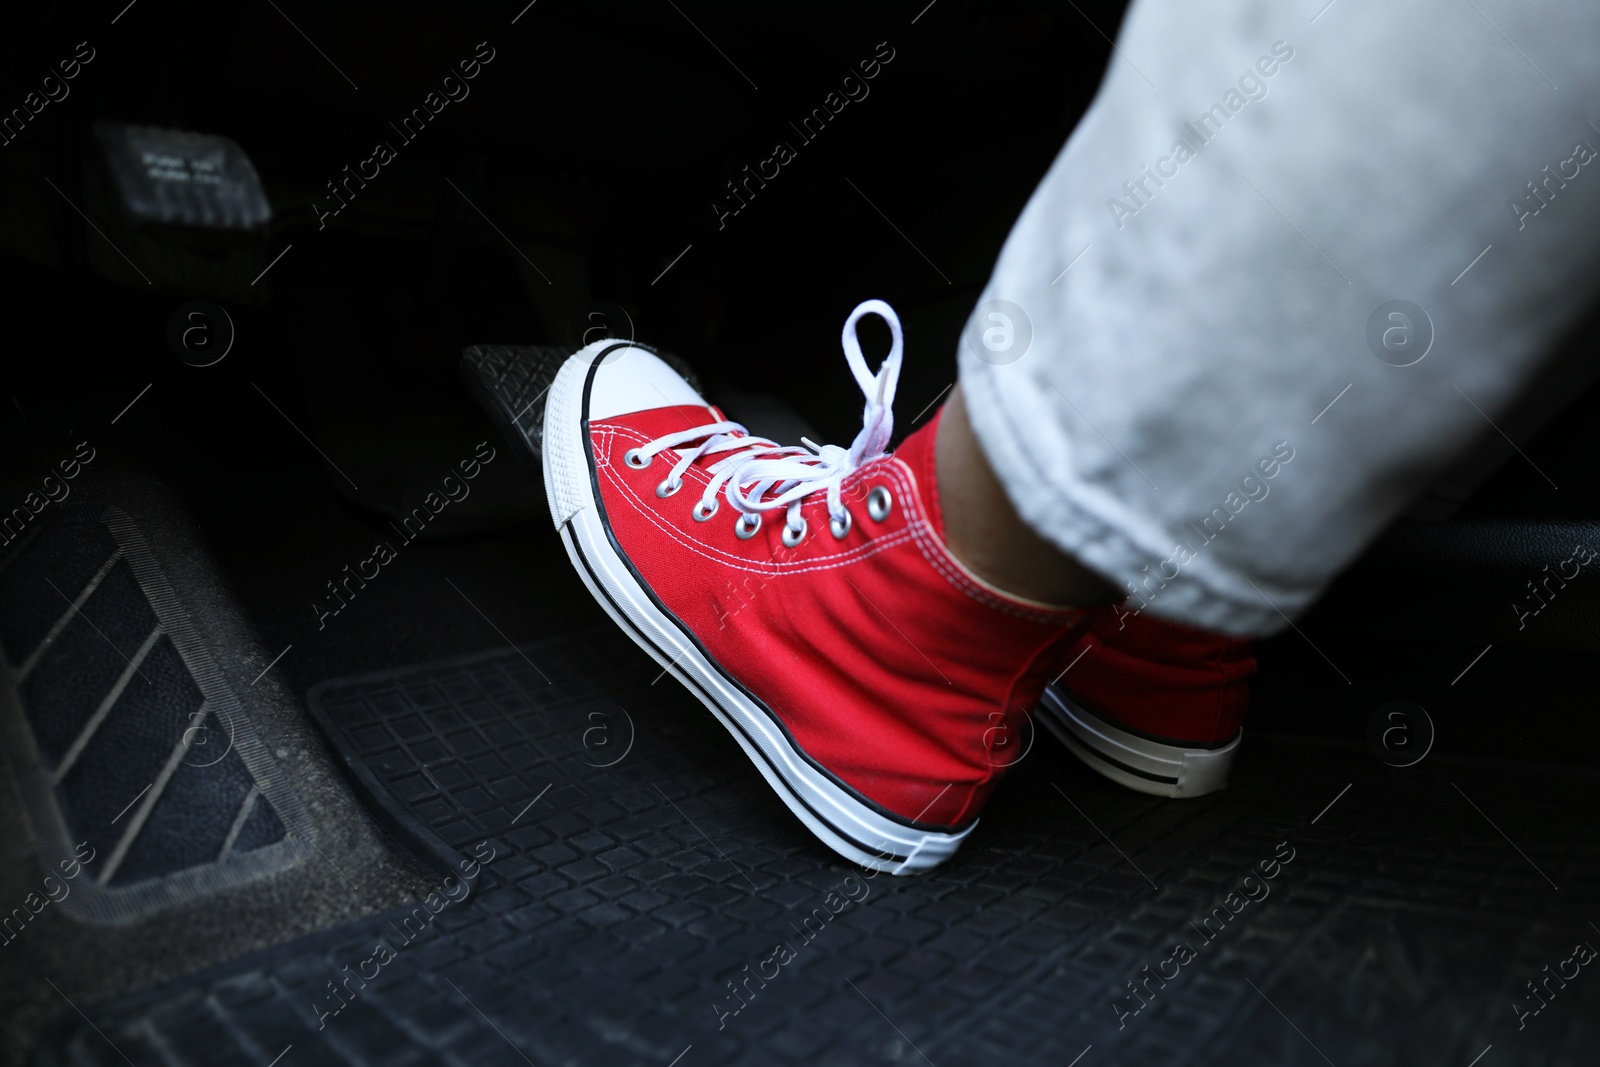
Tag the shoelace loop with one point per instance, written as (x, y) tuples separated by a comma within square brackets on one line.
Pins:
[(759, 475)]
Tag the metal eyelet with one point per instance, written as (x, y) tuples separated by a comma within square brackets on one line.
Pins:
[(743, 532), (878, 503), (792, 536), (668, 487), (839, 527), (633, 459), (701, 513)]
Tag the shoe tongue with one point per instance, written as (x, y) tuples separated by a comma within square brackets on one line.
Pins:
[(918, 452)]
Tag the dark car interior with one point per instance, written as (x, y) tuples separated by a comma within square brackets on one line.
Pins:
[(445, 748)]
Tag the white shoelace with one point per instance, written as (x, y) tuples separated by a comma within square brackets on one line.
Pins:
[(760, 475)]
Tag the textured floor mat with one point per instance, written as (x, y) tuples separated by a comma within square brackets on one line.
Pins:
[(142, 780), (641, 898)]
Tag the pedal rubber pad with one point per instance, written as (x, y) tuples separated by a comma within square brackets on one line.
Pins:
[(511, 381)]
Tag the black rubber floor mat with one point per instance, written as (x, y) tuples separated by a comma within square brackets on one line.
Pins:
[(142, 780), (642, 899)]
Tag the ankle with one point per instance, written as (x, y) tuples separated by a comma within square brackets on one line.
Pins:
[(983, 531)]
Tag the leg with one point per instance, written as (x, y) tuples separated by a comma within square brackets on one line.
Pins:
[(986, 534), (1218, 410)]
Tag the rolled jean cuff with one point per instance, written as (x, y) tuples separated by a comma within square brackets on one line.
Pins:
[(1080, 518)]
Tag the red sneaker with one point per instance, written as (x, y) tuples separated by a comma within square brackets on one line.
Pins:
[(803, 594), (1154, 705)]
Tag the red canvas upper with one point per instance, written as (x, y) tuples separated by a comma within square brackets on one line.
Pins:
[(892, 668), (1160, 678)]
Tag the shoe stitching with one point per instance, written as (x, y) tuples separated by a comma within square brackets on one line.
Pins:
[(724, 558), (937, 555), (774, 567), (916, 529)]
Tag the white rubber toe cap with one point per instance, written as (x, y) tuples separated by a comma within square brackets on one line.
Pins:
[(631, 379)]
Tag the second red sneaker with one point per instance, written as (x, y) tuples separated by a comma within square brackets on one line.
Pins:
[(803, 594), (1154, 705)]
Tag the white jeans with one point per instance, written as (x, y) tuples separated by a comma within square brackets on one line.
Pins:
[(1190, 370)]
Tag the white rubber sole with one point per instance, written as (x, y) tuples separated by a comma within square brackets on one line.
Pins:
[(1159, 768), (841, 821)]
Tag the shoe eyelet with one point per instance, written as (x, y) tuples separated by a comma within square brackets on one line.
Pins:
[(840, 526), (668, 487), (701, 513), (878, 503), (633, 459), (792, 536), (744, 532)]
